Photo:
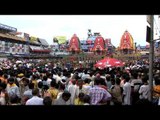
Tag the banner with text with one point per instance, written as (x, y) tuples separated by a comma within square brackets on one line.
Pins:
[(61, 39)]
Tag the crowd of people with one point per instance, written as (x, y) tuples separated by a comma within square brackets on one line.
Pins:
[(48, 82)]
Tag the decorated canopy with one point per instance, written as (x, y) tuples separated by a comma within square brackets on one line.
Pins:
[(74, 44), (99, 44), (127, 41)]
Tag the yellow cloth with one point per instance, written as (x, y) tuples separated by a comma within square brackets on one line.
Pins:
[(20, 75), (9, 85), (78, 102), (35, 83), (53, 93)]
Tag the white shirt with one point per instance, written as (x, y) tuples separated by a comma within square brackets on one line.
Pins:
[(72, 89), (49, 81), (2, 99), (144, 92), (58, 79), (127, 93), (39, 80), (13, 90), (136, 84), (60, 101), (84, 76), (28, 93), (35, 100)]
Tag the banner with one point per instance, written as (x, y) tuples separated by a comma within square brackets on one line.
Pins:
[(61, 39), (33, 39)]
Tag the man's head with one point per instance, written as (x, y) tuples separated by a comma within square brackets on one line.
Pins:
[(11, 80), (35, 92), (47, 101), (66, 95)]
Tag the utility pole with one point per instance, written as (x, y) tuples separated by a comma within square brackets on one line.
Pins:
[(151, 56)]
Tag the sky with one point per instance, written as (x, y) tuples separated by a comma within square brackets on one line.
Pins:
[(110, 26)]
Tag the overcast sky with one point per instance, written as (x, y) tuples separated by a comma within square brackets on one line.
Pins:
[(110, 26)]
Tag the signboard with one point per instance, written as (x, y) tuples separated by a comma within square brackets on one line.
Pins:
[(61, 39), (6, 27), (148, 34)]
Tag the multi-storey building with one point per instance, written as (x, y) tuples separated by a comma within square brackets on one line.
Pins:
[(14, 43)]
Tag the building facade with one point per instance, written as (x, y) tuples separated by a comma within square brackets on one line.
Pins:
[(20, 44)]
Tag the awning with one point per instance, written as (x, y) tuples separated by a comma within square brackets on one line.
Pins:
[(42, 51), (11, 37), (43, 42)]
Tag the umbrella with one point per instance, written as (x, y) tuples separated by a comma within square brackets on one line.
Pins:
[(109, 62)]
